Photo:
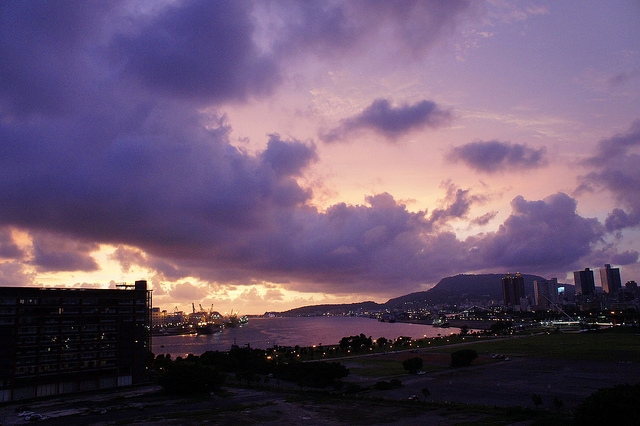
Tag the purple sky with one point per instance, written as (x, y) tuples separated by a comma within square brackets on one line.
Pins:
[(270, 154)]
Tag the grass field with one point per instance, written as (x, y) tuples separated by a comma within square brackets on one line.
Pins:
[(615, 345), (604, 345)]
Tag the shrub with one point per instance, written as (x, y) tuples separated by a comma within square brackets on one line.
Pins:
[(382, 385), (396, 383), (412, 364), (463, 357), (617, 405)]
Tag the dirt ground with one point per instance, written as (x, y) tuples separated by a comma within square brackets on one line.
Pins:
[(251, 407), (490, 389)]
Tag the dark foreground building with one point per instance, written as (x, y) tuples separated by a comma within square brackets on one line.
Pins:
[(62, 340)]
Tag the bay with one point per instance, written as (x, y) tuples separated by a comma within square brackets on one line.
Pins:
[(264, 333)]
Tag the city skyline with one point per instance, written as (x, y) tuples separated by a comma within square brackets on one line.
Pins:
[(261, 156)]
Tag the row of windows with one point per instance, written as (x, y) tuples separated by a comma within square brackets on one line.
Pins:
[(66, 366), (64, 358), (48, 339), (55, 348), (57, 311), (71, 301), (106, 325)]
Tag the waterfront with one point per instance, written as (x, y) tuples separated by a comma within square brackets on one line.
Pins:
[(290, 331)]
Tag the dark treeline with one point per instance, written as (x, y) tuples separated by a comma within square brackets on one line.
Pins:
[(209, 371)]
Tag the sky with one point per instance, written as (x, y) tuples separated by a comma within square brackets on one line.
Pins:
[(263, 155)]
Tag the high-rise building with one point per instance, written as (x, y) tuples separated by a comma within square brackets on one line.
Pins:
[(585, 283), (513, 289), (62, 340), (546, 293), (610, 279)]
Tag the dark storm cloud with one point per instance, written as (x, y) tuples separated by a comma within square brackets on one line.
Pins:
[(625, 258), (288, 158), (42, 44), (54, 253), (495, 156), (547, 233), (200, 49), (102, 140), (391, 122), (615, 168)]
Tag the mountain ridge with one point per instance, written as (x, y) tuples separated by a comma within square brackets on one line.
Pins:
[(449, 290)]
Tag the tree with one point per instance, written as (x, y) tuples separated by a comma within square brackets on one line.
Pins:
[(425, 392), (557, 402), (464, 330), (537, 399), (315, 374), (501, 327), (356, 343), (463, 357), (412, 364), (381, 342)]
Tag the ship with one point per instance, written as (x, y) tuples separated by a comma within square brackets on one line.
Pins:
[(441, 322), (205, 322), (234, 319)]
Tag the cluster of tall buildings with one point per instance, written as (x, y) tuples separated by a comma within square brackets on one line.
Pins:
[(547, 293), (609, 278)]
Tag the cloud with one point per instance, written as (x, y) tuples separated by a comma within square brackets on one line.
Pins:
[(54, 252), (539, 235), (330, 29), (389, 121), (273, 294), (484, 219), (459, 202), (8, 247), (127, 257), (495, 156), (41, 53), (188, 293), (288, 158), (198, 50), (624, 77), (103, 140), (614, 168), (14, 274), (627, 257)]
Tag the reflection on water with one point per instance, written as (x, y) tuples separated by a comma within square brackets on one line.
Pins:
[(304, 331)]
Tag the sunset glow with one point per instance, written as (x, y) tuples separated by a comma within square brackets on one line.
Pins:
[(264, 155)]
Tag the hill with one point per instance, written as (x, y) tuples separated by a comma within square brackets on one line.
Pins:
[(461, 288), (454, 290), (333, 309)]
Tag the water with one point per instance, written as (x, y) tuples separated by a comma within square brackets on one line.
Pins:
[(303, 331)]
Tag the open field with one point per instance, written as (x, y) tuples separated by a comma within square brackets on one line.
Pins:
[(558, 367), (605, 345)]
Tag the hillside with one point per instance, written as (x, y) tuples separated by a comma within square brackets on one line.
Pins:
[(332, 309), (450, 290), (461, 288)]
